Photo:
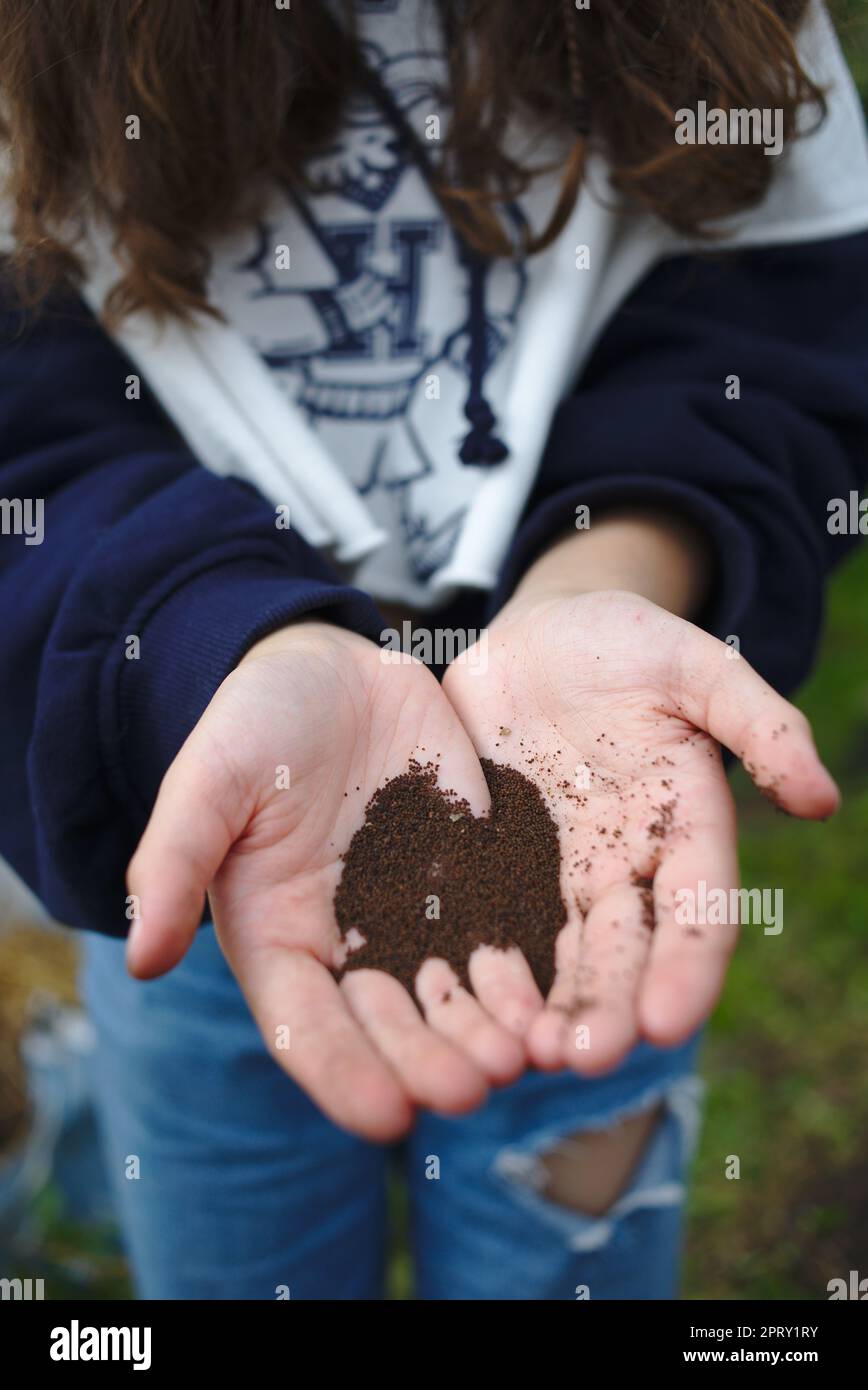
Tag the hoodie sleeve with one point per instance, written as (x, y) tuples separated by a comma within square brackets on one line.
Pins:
[(732, 389), (131, 583)]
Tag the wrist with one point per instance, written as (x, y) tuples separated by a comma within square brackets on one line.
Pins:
[(663, 558), (310, 634)]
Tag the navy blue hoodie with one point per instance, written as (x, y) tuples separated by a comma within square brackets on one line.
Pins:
[(140, 539)]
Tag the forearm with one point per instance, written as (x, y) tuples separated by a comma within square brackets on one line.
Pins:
[(659, 555)]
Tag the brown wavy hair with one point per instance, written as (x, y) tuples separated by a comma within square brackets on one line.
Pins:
[(234, 93)]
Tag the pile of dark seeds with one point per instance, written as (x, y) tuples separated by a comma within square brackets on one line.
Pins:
[(421, 852)]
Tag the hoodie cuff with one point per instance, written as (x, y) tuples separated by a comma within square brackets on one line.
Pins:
[(735, 569), (190, 643)]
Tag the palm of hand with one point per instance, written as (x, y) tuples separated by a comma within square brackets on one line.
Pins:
[(264, 797), (592, 692), (293, 746)]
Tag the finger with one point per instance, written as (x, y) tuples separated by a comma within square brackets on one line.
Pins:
[(550, 1032), (458, 768), (547, 1037), (186, 840), (439, 738), (453, 1012), (324, 1050), (616, 943), (688, 959), (503, 984), (602, 1014), (433, 1072), (725, 696)]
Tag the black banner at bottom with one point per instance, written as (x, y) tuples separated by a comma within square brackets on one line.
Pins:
[(64, 1338)]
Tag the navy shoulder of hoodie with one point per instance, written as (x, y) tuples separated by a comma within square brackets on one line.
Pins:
[(652, 422), (141, 541)]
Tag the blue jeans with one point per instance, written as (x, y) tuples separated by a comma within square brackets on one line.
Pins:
[(243, 1190)]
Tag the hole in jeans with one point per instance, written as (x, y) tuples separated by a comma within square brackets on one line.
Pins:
[(588, 1171)]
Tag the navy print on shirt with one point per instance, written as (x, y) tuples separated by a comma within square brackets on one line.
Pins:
[(374, 308)]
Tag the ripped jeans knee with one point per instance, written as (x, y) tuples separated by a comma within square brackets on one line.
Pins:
[(612, 1189), (590, 1169)]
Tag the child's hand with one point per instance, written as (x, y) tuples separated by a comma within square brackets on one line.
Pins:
[(608, 690), (316, 706)]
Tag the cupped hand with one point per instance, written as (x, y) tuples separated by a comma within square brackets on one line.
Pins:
[(256, 811), (617, 709)]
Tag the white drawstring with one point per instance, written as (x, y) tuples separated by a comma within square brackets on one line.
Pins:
[(224, 402)]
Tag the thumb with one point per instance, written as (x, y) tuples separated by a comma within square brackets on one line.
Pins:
[(186, 840), (725, 696)]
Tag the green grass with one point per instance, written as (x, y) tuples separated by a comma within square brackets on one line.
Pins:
[(75, 1260), (785, 1056)]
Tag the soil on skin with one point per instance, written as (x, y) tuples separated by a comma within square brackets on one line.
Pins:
[(423, 877)]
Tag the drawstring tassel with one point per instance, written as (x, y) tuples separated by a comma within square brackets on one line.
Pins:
[(480, 445)]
